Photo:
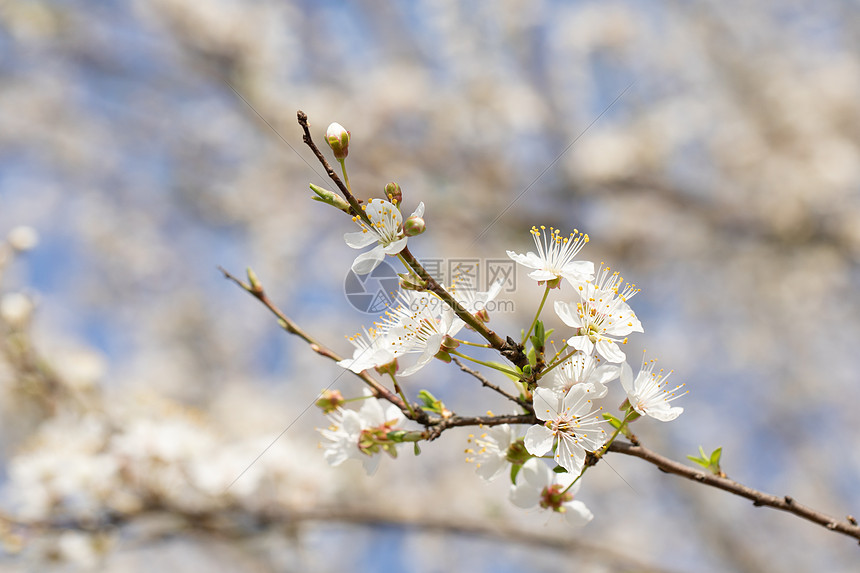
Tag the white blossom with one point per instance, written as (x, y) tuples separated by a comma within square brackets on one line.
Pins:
[(581, 368), (571, 420), (648, 393), (602, 316), (490, 452), (538, 485), (555, 256), (361, 435), (386, 229)]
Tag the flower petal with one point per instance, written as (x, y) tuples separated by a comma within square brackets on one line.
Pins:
[(577, 514), (546, 404), (566, 311), (609, 350), (366, 262), (538, 440), (360, 239)]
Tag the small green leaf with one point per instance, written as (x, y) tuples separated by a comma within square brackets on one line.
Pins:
[(613, 421), (709, 462), (559, 470), (515, 469), (416, 449), (540, 332), (716, 455)]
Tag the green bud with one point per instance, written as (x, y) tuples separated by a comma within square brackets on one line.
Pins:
[(393, 193), (330, 400), (329, 197), (253, 281), (337, 138), (413, 226), (409, 281)]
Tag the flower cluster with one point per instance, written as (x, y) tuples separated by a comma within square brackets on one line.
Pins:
[(555, 389)]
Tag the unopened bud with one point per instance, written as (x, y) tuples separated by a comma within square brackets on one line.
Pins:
[(329, 197), (330, 400), (409, 281), (253, 281), (338, 139), (414, 226), (393, 192)]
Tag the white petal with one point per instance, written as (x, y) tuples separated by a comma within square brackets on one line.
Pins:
[(491, 468), (665, 414), (609, 350), (529, 260), (581, 343), (577, 272), (605, 374), (366, 262), (538, 440), (627, 378), (536, 473), (372, 413), (434, 343), (395, 247), (371, 463), (379, 210), (546, 404), (360, 239), (566, 311), (419, 210), (525, 496), (577, 514), (543, 275), (569, 455)]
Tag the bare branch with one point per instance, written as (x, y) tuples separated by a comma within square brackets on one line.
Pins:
[(785, 503), (484, 381)]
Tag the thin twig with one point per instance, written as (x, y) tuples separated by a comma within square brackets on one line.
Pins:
[(260, 294), (483, 380), (785, 503), (508, 348)]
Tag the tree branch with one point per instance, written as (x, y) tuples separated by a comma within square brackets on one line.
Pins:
[(256, 289), (786, 503), (484, 381)]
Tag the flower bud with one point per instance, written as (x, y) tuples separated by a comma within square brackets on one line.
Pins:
[(409, 281), (330, 400), (338, 139), (393, 192), (413, 226), (329, 197)]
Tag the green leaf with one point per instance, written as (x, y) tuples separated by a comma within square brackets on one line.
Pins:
[(559, 470), (540, 332), (515, 469), (716, 455), (416, 449), (613, 421), (506, 367), (431, 403), (709, 462)]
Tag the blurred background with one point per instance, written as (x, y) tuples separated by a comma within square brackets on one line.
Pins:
[(710, 149)]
